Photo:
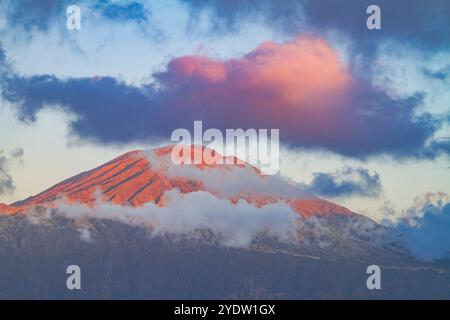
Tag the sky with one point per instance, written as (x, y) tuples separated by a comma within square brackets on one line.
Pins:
[(363, 114)]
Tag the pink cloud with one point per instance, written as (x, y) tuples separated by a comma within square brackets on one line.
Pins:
[(301, 87), (302, 74), (294, 85)]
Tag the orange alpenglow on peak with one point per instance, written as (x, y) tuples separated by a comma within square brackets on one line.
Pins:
[(7, 210), (139, 177)]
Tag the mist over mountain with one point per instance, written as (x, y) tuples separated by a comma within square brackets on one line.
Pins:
[(141, 227)]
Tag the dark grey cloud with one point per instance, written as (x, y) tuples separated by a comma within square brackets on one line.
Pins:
[(440, 74), (419, 22), (284, 15), (108, 111), (123, 11), (41, 14), (425, 228), (31, 14), (345, 183), (423, 24)]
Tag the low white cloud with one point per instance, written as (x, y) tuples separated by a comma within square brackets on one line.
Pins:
[(228, 180), (203, 216), (233, 225)]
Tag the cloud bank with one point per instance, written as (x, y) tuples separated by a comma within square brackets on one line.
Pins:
[(300, 87), (204, 216), (201, 215), (425, 227), (418, 22), (30, 15), (188, 215)]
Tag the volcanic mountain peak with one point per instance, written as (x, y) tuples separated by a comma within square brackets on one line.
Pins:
[(138, 177)]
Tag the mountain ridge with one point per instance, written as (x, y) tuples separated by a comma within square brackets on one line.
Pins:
[(131, 179), (123, 256)]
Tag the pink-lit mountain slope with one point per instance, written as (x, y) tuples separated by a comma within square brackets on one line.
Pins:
[(132, 180)]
